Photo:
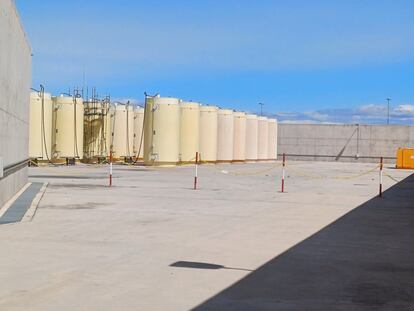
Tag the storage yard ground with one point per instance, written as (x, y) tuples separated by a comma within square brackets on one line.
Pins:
[(326, 244)]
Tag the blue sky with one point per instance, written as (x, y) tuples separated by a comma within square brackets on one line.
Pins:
[(312, 61)]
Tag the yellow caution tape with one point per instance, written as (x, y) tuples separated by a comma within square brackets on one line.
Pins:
[(247, 172), (313, 176), (358, 175), (392, 178)]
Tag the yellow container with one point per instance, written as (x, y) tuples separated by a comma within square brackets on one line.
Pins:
[(405, 158)]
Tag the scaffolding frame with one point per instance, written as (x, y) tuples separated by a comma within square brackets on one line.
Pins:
[(96, 130)]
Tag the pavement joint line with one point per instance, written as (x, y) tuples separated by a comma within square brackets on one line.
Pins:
[(31, 211), (10, 202)]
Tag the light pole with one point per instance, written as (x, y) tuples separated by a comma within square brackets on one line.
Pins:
[(388, 113), (261, 108)]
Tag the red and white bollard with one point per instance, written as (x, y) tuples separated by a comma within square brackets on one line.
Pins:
[(283, 172), (196, 171), (380, 176), (110, 168)]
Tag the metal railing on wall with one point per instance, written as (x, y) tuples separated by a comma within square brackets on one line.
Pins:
[(13, 168)]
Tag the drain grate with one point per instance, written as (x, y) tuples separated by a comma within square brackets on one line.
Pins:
[(19, 207)]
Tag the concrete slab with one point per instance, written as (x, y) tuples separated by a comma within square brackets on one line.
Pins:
[(142, 244), (362, 261)]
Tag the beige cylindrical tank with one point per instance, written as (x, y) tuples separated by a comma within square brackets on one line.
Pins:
[(122, 122), (225, 135), (148, 128), (272, 144), (208, 133), (68, 136), (239, 146), (251, 137), (189, 131), (138, 133), (263, 138), (162, 131), (108, 130), (40, 135)]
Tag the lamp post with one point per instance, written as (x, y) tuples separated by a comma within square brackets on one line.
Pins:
[(388, 111), (261, 108)]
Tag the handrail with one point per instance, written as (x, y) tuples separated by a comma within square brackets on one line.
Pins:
[(12, 168)]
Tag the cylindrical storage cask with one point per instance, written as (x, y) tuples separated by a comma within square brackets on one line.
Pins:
[(272, 145), (108, 137), (149, 129), (208, 133), (263, 138), (162, 131), (251, 137), (189, 131), (239, 144), (122, 131), (68, 136), (225, 135), (40, 134), (138, 133)]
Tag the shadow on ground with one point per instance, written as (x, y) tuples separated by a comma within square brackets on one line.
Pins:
[(362, 261)]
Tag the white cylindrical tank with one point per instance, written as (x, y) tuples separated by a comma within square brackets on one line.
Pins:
[(225, 135), (138, 133), (40, 134), (239, 146), (68, 136), (251, 137), (189, 131), (162, 131), (208, 133), (122, 131), (263, 139), (272, 144)]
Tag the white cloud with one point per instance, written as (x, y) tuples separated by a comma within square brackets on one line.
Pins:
[(288, 114), (315, 115), (365, 114), (372, 110), (299, 121), (405, 109), (132, 101)]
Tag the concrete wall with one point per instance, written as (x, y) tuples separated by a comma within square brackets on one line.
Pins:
[(362, 143), (15, 81)]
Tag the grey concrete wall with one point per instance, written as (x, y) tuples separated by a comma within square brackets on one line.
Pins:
[(15, 81), (357, 143)]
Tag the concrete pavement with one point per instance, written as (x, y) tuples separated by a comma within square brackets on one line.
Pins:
[(91, 247)]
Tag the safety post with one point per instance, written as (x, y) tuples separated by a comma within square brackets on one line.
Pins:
[(283, 172), (110, 168), (196, 171), (380, 176)]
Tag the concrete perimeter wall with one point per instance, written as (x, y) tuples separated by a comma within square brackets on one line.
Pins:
[(351, 143), (15, 82)]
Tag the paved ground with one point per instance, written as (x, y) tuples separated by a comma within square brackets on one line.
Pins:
[(152, 243)]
